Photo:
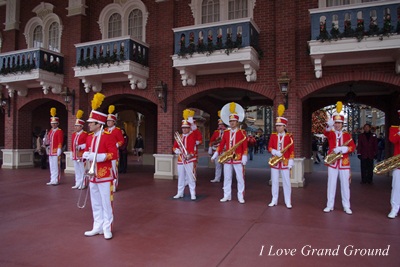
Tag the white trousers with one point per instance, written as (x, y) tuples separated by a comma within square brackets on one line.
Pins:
[(79, 167), (228, 171), (395, 196), (185, 177), (54, 169), (287, 188), (218, 169), (344, 176), (100, 196)]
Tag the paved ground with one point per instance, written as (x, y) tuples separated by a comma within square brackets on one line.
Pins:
[(41, 225)]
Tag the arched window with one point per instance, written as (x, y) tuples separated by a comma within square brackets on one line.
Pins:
[(237, 9), (210, 11), (135, 24), (38, 37), (114, 26), (54, 37)]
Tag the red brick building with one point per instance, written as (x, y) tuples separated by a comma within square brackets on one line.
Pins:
[(198, 54)]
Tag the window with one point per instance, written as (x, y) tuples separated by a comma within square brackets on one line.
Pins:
[(54, 37), (210, 11), (114, 26), (328, 3), (237, 9), (38, 37), (135, 24)]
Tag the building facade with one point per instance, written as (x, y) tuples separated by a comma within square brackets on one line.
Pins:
[(154, 58)]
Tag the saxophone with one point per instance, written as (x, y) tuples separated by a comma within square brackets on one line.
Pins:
[(333, 157), (387, 165), (275, 159), (230, 153)]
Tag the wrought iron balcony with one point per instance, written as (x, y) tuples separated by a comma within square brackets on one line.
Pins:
[(30, 68), (355, 34), (214, 48), (112, 60)]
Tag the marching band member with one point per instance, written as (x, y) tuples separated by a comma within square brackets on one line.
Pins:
[(339, 143), (54, 142), (394, 137), (214, 142), (281, 145), (186, 151), (101, 151), (196, 133), (233, 139), (78, 145), (119, 137)]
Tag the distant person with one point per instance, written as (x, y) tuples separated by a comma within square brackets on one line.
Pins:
[(314, 148), (381, 148), (139, 146), (367, 150), (251, 143), (123, 153)]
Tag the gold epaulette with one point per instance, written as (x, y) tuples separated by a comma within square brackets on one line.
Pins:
[(394, 126), (91, 133)]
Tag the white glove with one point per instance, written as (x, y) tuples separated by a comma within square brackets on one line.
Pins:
[(193, 126), (190, 120), (290, 164), (86, 155), (197, 143), (214, 156), (244, 160), (276, 153), (59, 152), (330, 123), (117, 145), (177, 151), (344, 149), (210, 151), (337, 149), (82, 147), (101, 157)]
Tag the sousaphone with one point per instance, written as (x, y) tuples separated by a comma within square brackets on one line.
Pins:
[(226, 111)]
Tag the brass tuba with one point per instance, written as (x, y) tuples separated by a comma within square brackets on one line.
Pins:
[(230, 153), (387, 165), (333, 157), (275, 159)]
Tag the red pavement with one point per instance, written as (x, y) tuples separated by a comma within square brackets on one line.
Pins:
[(42, 226)]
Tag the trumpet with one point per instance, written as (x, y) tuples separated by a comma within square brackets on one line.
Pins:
[(333, 157), (184, 154), (275, 159), (90, 174)]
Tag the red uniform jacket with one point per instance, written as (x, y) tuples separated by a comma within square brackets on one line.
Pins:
[(229, 140), (103, 170), (343, 163), (55, 138), (78, 139), (289, 153), (367, 148), (189, 141), (394, 138), (217, 134), (117, 133)]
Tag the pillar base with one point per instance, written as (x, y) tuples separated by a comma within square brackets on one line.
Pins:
[(165, 166), (296, 174), (18, 158), (69, 163)]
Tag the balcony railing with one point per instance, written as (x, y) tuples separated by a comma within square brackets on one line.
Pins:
[(206, 38), (22, 61), (369, 19), (110, 51)]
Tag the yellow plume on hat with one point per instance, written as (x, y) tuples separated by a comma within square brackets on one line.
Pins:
[(79, 114), (232, 107), (219, 113), (97, 100), (53, 112), (186, 114), (339, 106), (111, 109), (281, 110)]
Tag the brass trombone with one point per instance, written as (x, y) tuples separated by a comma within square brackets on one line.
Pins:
[(90, 174)]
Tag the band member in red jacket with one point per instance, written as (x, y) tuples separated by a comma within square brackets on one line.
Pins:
[(78, 145), (214, 142), (231, 138), (339, 143), (394, 138), (119, 137), (281, 145), (185, 148), (54, 142), (100, 151)]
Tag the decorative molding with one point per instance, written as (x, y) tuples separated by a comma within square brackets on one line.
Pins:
[(12, 15), (136, 81), (188, 77), (91, 84), (76, 7), (250, 72)]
